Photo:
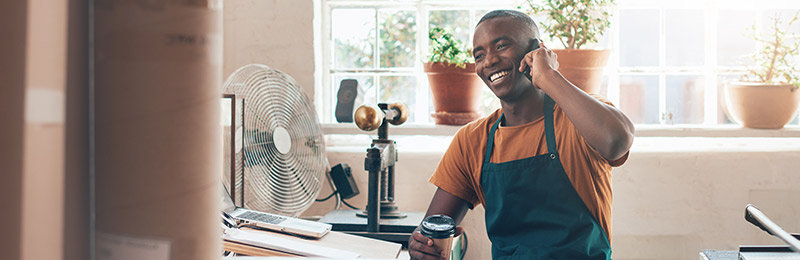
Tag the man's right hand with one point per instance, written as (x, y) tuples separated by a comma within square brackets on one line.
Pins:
[(421, 247)]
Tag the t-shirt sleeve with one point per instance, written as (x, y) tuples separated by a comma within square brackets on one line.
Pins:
[(454, 173)]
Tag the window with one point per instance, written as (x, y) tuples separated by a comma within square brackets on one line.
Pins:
[(668, 65)]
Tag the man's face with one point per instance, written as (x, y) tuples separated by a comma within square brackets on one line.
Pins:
[(499, 46)]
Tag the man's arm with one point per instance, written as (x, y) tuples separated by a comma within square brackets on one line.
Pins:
[(421, 247), (603, 126)]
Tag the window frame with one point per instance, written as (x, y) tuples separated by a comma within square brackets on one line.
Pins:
[(710, 71)]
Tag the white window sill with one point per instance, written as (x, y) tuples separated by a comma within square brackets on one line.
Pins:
[(357, 144), (641, 130), (346, 138)]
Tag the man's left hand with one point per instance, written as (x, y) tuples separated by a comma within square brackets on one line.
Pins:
[(540, 61)]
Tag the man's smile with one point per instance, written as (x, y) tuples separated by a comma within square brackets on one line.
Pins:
[(498, 75)]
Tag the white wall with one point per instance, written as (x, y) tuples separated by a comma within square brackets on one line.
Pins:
[(276, 33), (673, 198)]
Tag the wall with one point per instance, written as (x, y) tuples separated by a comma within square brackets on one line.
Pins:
[(672, 199), (276, 33)]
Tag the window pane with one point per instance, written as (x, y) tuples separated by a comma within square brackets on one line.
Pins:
[(366, 91), (603, 87), (723, 116), (684, 37), (638, 38), (733, 43), (398, 38), (639, 98), (353, 34), (685, 100), (453, 21), (480, 13), (785, 16), (399, 89)]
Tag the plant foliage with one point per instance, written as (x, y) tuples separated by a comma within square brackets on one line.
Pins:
[(775, 62), (446, 48), (573, 22)]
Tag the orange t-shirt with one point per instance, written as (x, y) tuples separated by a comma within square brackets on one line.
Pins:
[(459, 171)]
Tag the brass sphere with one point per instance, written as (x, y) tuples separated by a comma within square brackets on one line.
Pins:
[(403, 109), (368, 117)]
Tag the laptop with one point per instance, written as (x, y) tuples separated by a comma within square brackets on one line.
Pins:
[(273, 222), (790, 252)]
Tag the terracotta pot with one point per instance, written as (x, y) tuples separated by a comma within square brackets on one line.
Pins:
[(456, 92), (761, 105), (584, 68)]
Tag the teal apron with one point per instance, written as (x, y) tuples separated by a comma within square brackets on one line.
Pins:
[(532, 209)]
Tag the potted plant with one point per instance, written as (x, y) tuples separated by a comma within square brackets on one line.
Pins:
[(767, 96), (576, 23), (455, 87)]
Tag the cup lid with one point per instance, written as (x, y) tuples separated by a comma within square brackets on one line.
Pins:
[(438, 226)]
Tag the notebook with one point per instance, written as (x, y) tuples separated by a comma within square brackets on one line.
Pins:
[(273, 222), (790, 252)]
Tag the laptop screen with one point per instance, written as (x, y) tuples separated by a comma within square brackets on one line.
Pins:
[(227, 201)]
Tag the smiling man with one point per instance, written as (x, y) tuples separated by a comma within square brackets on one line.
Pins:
[(541, 164)]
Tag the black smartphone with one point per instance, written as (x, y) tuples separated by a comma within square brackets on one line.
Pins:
[(534, 44)]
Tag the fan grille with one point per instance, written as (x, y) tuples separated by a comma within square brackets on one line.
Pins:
[(282, 182)]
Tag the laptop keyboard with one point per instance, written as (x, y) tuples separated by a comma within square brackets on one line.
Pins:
[(261, 217)]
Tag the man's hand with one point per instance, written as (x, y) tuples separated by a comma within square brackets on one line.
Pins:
[(421, 247), (540, 61)]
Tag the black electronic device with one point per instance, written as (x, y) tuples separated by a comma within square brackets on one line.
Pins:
[(343, 180), (346, 100), (534, 44)]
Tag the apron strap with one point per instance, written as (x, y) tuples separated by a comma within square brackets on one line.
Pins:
[(549, 131), (490, 144)]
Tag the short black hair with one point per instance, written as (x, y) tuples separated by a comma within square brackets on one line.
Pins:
[(516, 15)]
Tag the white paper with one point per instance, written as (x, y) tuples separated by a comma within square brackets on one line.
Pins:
[(118, 247), (265, 240)]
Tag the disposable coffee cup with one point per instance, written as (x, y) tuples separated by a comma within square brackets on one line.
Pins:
[(440, 229)]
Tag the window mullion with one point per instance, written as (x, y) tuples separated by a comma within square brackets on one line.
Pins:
[(377, 56), (662, 56), (325, 100), (711, 80), (422, 93), (613, 91)]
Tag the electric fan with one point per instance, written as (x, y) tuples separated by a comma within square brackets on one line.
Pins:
[(280, 150)]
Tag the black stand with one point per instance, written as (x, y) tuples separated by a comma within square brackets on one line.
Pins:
[(381, 219)]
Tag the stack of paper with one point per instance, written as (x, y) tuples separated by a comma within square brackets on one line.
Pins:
[(274, 242)]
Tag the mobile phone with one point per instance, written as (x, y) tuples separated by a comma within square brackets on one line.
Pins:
[(534, 44)]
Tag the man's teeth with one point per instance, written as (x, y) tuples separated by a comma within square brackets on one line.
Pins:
[(498, 75)]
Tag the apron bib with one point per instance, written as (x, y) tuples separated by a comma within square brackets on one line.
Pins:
[(532, 209)]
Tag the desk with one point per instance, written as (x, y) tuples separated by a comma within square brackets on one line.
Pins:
[(366, 247)]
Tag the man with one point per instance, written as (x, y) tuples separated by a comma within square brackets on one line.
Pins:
[(540, 165)]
